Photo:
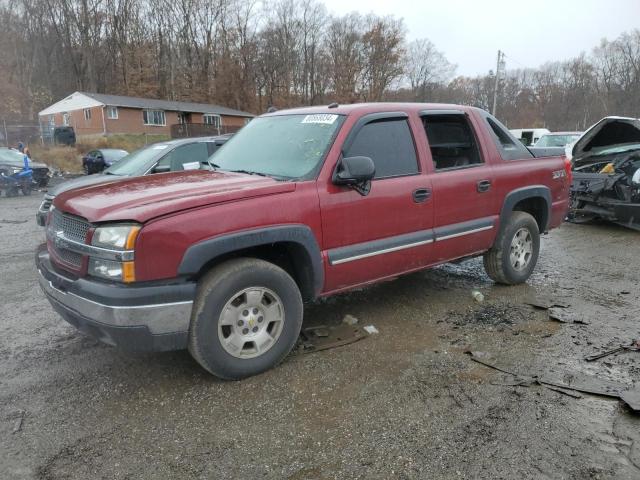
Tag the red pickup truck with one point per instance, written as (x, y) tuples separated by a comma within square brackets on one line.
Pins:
[(300, 204)]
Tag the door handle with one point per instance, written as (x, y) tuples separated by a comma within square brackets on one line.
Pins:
[(484, 186), (421, 195)]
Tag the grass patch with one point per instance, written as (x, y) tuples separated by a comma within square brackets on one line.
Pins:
[(69, 159)]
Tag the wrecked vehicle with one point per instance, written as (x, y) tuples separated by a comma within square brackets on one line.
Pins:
[(606, 173)]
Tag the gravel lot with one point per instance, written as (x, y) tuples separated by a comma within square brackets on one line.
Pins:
[(407, 403)]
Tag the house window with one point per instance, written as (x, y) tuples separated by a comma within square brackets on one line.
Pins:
[(153, 117), (210, 119), (65, 119), (87, 114), (112, 113)]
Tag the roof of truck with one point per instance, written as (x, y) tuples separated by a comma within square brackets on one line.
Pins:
[(347, 109)]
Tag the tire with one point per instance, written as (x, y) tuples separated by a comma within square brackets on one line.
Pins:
[(26, 190), (86, 169), (254, 293), (499, 262)]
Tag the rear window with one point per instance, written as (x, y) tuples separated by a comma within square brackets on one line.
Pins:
[(508, 146), (452, 142)]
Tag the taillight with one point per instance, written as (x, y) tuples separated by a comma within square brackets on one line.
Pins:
[(567, 169)]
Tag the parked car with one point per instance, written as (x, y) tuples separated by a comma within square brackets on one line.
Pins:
[(606, 173), (302, 203), (558, 139), (64, 136), (12, 162), (96, 161), (156, 158), (529, 136)]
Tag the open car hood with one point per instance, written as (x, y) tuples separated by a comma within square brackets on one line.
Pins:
[(610, 132)]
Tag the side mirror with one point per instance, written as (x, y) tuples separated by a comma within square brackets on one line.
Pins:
[(356, 172), (162, 169)]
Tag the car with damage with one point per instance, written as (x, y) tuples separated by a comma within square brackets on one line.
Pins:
[(169, 156), (95, 161), (302, 204), (12, 162), (606, 173)]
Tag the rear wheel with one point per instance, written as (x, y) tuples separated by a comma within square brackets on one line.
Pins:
[(246, 318), (514, 254)]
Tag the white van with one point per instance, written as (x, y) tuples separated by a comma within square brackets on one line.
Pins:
[(529, 136)]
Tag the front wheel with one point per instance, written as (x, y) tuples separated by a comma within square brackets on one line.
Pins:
[(514, 254), (246, 318)]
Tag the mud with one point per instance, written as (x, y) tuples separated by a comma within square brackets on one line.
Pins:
[(407, 403)]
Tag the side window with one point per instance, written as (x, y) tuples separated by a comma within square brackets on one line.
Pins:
[(390, 145), (185, 157), (452, 141), (508, 146)]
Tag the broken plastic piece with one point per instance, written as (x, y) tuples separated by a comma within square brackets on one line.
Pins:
[(477, 296), (350, 320), (371, 330)]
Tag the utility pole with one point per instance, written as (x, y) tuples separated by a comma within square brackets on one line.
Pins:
[(499, 66)]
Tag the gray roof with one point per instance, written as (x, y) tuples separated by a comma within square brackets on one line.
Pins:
[(189, 107)]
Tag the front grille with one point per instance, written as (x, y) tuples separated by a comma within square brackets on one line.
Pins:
[(72, 258), (73, 228)]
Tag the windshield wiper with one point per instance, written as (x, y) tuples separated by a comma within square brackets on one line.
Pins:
[(249, 172)]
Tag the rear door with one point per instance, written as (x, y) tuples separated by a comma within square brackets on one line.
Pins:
[(465, 204), (387, 231)]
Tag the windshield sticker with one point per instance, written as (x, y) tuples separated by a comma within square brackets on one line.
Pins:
[(320, 118), (159, 147), (191, 166)]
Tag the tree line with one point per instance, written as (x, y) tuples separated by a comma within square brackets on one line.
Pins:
[(250, 54)]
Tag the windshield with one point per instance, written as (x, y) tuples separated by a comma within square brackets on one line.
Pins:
[(282, 146), (556, 140), (12, 156), (137, 163), (114, 155)]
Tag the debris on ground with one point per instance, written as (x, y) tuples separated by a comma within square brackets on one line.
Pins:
[(633, 347), (371, 330), (318, 338), (350, 320), (18, 418), (545, 304), (477, 296), (491, 314), (567, 383), (565, 316)]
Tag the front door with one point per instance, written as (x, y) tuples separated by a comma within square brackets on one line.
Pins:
[(388, 231)]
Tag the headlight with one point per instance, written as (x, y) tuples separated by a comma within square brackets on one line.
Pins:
[(119, 237), (114, 237), (110, 270)]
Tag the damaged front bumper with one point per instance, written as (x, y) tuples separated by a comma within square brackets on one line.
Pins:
[(598, 196)]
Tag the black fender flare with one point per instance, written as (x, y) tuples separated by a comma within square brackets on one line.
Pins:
[(524, 193), (201, 253)]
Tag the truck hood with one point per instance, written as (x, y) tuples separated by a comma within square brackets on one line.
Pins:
[(84, 181), (609, 135), (140, 199)]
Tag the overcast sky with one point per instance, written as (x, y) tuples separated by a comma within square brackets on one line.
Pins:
[(470, 32)]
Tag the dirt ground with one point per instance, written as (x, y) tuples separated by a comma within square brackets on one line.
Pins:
[(407, 403)]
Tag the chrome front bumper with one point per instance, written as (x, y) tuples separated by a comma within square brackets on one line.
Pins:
[(132, 318)]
